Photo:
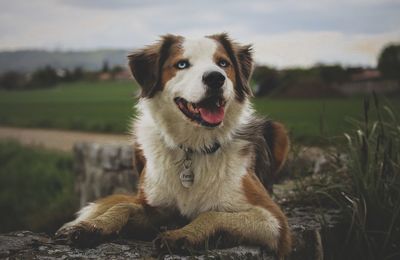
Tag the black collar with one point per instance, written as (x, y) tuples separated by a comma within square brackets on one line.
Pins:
[(205, 150)]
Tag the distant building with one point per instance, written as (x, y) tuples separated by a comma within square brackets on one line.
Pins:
[(366, 81), (367, 74), (103, 76), (123, 75)]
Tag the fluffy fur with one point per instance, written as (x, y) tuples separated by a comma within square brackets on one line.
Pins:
[(229, 192)]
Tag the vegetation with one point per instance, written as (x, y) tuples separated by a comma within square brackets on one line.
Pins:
[(292, 82), (36, 188), (108, 107), (366, 188), (31, 60), (87, 106), (371, 199), (48, 77), (42, 78), (389, 62)]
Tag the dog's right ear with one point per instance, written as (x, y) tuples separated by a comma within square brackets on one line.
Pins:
[(143, 65), (146, 65)]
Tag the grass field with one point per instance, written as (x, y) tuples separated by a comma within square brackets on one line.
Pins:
[(36, 188), (108, 107), (87, 106)]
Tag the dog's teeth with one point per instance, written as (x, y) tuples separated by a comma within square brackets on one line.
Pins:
[(190, 106), (194, 107)]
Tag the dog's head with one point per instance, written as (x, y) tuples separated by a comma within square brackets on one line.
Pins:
[(194, 85)]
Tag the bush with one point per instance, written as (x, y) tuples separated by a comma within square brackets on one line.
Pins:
[(389, 62), (13, 80), (36, 188), (371, 200), (363, 180), (45, 77)]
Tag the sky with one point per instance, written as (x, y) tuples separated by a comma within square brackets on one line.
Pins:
[(284, 33)]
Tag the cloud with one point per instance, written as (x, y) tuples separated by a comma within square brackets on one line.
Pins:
[(350, 31), (307, 48)]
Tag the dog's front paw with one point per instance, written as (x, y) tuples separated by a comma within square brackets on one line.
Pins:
[(82, 234), (175, 241)]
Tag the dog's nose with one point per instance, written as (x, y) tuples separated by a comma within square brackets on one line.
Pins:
[(214, 79)]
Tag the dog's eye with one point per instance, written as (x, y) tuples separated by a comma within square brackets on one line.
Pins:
[(223, 63), (182, 64)]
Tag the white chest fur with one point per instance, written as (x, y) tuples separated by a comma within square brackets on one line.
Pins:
[(217, 177)]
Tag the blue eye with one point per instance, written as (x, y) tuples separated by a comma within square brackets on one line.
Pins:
[(182, 64), (223, 63)]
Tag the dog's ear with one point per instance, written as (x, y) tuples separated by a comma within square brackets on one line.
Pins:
[(245, 57), (146, 65), (241, 57)]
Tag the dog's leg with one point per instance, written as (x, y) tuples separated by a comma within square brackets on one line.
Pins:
[(105, 218), (257, 226)]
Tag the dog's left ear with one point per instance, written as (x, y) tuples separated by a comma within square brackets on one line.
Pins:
[(146, 65), (245, 57), (241, 57)]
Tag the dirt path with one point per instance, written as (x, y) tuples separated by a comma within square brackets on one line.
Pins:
[(57, 139)]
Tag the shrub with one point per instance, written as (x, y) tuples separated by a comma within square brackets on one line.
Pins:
[(365, 186), (371, 199), (36, 188)]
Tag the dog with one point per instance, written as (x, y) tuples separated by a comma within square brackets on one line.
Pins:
[(201, 151)]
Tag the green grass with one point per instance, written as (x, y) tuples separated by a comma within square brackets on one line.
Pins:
[(309, 119), (108, 107), (371, 201), (87, 106), (36, 188), (365, 186)]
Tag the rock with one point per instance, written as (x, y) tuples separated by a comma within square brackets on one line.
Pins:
[(103, 169), (315, 159), (311, 231), (28, 245)]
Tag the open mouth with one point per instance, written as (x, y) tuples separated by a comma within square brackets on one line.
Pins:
[(208, 112)]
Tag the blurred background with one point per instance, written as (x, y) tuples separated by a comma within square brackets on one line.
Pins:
[(64, 78)]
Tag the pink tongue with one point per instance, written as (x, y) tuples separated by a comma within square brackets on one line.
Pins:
[(212, 117)]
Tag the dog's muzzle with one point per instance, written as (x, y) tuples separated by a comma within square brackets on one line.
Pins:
[(209, 112)]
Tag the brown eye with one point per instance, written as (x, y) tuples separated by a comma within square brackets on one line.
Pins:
[(223, 63), (182, 64)]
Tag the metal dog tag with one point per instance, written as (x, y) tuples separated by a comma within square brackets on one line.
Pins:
[(187, 177)]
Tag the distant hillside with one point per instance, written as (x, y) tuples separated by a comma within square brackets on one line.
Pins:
[(29, 60)]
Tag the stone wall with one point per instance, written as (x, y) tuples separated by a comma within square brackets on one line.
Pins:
[(103, 169)]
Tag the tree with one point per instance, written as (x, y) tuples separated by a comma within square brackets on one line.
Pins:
[(332, 73), (389, 62), (266, 79), (13, 80), (105, 67), (45, 77)]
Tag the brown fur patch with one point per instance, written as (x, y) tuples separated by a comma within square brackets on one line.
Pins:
[(229, 70), (106, 203), (169, 69), (258, 196), (141, 196), (280, 145), (140, 160), (242, 63), (147, 65)]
